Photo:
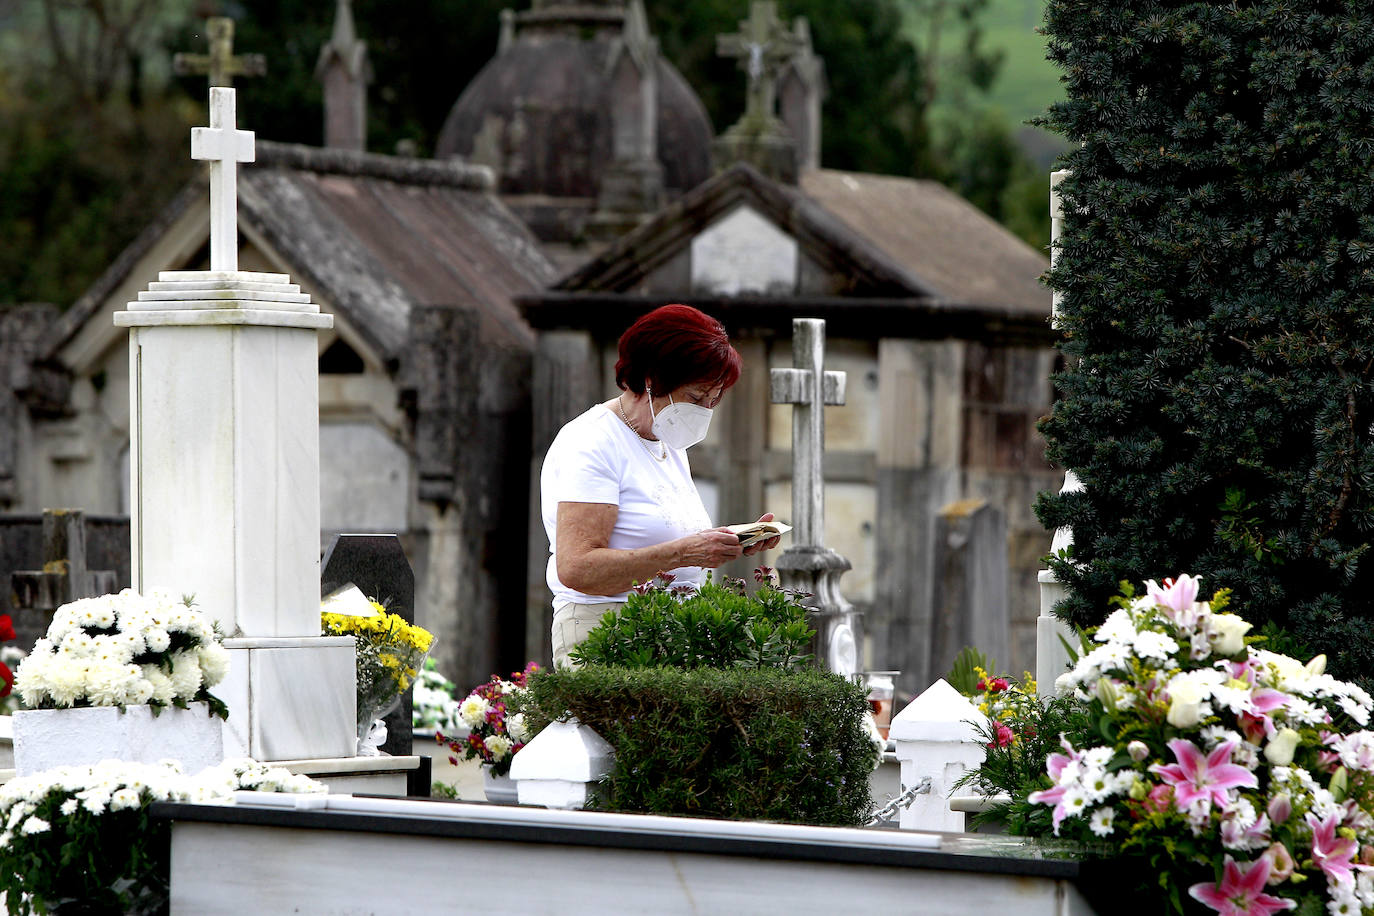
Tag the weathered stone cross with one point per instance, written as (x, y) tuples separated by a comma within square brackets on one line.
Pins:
[(764, 46), (225, 146), (809, 388), (64, 576), (220, 65)]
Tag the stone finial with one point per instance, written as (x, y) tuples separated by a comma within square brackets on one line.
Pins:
[(344, 72), (220, 66), (561, 765), (507, 36), (937, 736), (801, 90)]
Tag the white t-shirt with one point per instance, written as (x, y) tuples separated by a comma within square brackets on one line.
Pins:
[(596, 458)]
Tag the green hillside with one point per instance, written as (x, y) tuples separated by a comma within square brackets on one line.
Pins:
[(1027, 82)]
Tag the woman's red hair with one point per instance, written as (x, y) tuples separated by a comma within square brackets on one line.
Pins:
[(676, 345)]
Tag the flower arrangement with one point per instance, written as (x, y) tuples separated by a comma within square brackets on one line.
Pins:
[(434, 704), (125, 649), (496, 726), (82, 834), (1242, 776), (390, 653)]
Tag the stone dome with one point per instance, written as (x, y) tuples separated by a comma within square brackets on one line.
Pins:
[(539, 112)]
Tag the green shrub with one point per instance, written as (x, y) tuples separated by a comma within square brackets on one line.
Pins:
[(1217, 272), (745, 743), (717, 626)]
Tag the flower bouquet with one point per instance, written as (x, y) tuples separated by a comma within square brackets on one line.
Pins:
[(125, 649), (435, 707), (1242, 777), (390, 653), (81, 835), (496, 727)]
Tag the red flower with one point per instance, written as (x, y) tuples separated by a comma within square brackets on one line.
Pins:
[(1005, 736), (6, 627), (8, 677)]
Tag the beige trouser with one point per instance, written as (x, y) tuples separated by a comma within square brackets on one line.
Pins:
[(572, 623)]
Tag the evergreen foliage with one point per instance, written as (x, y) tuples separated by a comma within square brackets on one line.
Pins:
[(1217, 272), (719, 625), (744, 743)]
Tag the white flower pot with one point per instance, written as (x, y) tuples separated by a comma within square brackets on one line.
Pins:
[(499, 789), (48, 738)]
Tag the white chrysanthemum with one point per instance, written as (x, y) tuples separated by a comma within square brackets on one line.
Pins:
[(518, 728), (1356, 750), (123, 799), (214, 662), (157, 639), (1301, 710), (1101, 821), (498, 745), (163, 691), (69, 807), (35, 825), (1354, 709), (137, 688), (93, 801), (1118, 627), (473, 710), (66, 682), (1075, 801), (186, 674), (1149, 644), (113, 648), (105, 682)]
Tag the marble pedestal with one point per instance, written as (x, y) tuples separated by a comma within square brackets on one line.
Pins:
[(290, 698)]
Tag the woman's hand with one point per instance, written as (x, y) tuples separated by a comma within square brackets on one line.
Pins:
[(763, 545), (710, 548)]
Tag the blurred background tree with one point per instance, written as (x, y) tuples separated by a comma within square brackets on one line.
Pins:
[(93, 125)]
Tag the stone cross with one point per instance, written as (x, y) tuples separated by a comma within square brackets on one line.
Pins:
[(809, 388), (225, 146), (764, 46), (64, 576), (220, 65)]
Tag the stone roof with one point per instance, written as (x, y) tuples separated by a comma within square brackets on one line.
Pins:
[(886, 236), (956, 249), (375, 235)]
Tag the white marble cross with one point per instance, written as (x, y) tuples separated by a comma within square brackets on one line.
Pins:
[(225, 146), (810, 389)]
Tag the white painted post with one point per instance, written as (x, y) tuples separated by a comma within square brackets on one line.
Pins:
[(937, 736), (561, 765), (1051, 659)]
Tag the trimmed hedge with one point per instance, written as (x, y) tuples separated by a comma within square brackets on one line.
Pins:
[(1217, 271), (742, 744)]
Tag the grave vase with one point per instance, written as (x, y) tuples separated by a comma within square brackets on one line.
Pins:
[(48, 738), (499, 789)]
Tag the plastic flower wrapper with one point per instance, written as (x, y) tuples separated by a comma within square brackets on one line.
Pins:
[(1242, 777), (496, 726), (390, 654), (125, 649)]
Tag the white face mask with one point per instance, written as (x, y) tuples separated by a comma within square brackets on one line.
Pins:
[(680, 425)]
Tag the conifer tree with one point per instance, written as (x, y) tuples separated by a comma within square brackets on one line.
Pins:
[(1217, 272)]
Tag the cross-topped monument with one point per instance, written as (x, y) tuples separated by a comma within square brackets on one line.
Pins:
[(764, 46), (225, 146), (220, 65), (808, 565)]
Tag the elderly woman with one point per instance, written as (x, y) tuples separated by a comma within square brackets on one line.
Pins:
[(617, 495)]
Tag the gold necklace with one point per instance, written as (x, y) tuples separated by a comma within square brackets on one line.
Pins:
[(657, 457)]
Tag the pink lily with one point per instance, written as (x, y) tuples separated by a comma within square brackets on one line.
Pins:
[(1178, 596), (1204, 779), (1241, 893), (1331, 852), (1055, 765)]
